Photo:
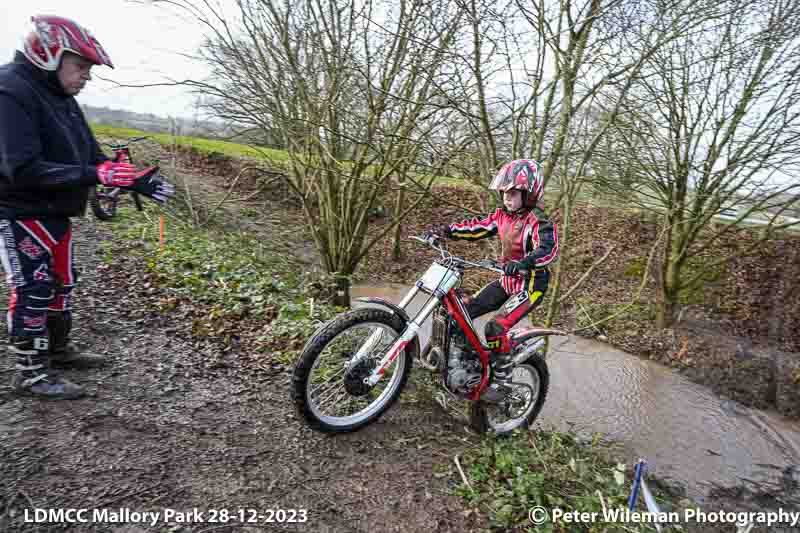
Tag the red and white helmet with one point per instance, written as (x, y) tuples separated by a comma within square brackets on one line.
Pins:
[(523, 174), (51, 36)]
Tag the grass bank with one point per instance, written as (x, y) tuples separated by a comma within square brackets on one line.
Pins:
[(207, 146), (275, 158), (230, 288)]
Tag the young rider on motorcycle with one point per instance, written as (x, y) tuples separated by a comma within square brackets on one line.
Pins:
[(529, 243)]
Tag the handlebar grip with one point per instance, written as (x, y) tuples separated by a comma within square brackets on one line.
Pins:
[(521, 271)]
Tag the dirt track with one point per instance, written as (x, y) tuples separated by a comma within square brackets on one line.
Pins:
[(161, 429)]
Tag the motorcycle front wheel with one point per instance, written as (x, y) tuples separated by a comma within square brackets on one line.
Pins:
[(328, 386)]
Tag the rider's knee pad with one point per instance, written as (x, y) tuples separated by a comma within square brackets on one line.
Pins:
[(29, 317)]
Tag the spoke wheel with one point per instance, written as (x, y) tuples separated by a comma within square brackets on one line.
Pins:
[(329, 388), (529, 385), (103, 204)]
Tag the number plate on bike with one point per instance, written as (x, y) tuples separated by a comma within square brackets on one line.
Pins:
[(439, 277)]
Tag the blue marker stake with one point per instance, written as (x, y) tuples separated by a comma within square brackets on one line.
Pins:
[(636, 481)]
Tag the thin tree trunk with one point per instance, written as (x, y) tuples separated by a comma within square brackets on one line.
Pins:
[(669, 286), (555, 288), (342, 297), (398, 208)]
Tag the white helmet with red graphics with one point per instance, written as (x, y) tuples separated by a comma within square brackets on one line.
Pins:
[(51, 36)]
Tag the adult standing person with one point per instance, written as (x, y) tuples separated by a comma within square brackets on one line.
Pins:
[(49, 160)]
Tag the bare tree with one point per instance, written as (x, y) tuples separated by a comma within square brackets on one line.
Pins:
[(351, 84), (710, 125), (535, 76)]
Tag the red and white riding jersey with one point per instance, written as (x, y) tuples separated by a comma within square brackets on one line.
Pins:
[(528, 237)]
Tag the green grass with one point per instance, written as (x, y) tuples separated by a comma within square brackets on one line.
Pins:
[(207, 265), (553, 470), (202, 145), (232, 149), (236, 287)]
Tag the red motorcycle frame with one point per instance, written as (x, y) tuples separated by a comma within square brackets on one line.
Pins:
[(455, 309)]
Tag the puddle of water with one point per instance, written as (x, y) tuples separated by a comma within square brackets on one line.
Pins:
[(684, 431)]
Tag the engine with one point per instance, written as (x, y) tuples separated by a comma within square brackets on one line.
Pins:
[(463, 367)]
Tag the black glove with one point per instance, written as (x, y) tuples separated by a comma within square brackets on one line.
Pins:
[(513, 267), (153, 185)]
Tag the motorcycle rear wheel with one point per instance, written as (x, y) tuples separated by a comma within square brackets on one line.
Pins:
[(532, 376), (104, 206)]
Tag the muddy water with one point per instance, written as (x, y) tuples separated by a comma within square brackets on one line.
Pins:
[(685, 432)]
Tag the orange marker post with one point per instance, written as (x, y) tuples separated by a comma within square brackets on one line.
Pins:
[(161, 231)]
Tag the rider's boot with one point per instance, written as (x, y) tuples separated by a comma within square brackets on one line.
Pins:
[(33, 374), (63, 352), (498, 389)]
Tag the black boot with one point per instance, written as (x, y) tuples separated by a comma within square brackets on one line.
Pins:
[(34, 376), (498, 390), (64, 353)]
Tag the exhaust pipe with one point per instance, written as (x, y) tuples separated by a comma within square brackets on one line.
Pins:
[(431, 358)]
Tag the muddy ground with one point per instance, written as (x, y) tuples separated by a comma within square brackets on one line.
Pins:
[(161, 429)]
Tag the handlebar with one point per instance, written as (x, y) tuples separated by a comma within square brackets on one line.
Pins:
[(485, 264)]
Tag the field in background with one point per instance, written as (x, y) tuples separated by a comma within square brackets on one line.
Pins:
[(210, 146), (280, 157), (202, 145)]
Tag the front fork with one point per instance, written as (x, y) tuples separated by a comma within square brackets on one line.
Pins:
[(411, 330)]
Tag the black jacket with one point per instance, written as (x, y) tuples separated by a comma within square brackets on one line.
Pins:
[(48, 153)]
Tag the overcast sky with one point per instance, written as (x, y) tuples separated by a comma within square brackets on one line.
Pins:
[(142, 41)]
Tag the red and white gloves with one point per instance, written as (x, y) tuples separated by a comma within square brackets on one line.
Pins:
[(146, 182), (116, 174)]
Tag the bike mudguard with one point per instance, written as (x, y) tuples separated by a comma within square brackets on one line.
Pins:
[(399, 311), (525, 334), (386, 303)]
